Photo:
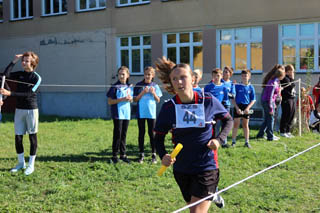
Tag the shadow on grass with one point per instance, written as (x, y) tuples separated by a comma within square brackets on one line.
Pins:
[(9, 117)]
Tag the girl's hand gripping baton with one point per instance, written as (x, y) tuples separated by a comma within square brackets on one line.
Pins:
[(173, 154)]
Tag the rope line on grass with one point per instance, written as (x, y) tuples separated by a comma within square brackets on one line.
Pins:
[(245, 179)]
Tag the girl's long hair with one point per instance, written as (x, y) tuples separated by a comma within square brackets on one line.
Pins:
[(164, 67), (276, 71)]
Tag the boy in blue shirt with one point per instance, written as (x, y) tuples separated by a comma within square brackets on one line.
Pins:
[(219, 91), (244, 99), (227, 73)]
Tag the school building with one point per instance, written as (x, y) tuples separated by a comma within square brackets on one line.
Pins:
[(81, 43)]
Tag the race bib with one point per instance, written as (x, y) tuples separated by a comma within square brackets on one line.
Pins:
[(190, 115)]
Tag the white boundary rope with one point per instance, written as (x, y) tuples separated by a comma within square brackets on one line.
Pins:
[(243, 180)]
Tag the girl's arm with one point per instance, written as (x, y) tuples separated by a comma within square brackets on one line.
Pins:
[(161, 150), (116, 101), (153, 92), (227, 123)]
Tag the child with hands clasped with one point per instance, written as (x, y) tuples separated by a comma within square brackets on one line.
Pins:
[(245, 98), (189, 114), (120, 97), (147, 94), (26, 118)]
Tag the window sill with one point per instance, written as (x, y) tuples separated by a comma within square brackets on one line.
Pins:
[(21, 19), (54, 14), (134, 4), (91, 9)]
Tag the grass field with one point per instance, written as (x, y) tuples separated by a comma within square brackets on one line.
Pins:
[(74, 174)]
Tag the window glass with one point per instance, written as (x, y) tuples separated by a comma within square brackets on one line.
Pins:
[(289, 30), (307, 29), (146, 40), (135, 61), (21, 9), (185, 55), (197, 37), (131, 2), (124, 41), (171, 38), (102, 3), (85, 5), (256, 33), (306, 54), (289, 52), (53, 7), (226, 35), (241, 56), (135, 41), (256, 56), (184, 37), (242, 34), (172, 54), (146, 57), (197, 57), (125, 58), (225, 53)]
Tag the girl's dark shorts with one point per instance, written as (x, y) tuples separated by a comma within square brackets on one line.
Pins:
[(242, 107), (198, 185)]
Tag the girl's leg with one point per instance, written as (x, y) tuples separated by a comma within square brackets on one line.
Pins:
[(151, 125), (33, 150), (201, 207), (245, 126), (117, 128), (20, 151), (236, 124), (263, 127), (125, 124), (141, 126)]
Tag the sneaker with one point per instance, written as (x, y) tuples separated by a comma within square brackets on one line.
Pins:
[(124, 159), (233, 144), (290, 135), (115, 160), (219, 201), (141, 158), (225, 145), (247, 145), (29, 170), (275, 138), (18, 167), (154, 159), (284, 135)]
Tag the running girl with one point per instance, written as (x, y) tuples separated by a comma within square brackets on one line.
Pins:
[(245, 98), (147, 94), (26, 118), (190, 114), (120, 97)]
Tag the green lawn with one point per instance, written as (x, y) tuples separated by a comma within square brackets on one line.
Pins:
[(74, 174)]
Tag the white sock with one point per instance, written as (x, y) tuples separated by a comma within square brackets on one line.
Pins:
[(21, 157), (32, 158)]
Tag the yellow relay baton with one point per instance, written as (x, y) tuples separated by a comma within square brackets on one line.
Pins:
[(173, 154)]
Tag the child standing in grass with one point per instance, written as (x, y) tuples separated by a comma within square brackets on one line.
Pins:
[(306, 107), (219, 91), (196, 78), (147, 94), (271, 85), (227, 74), (120, 97), (189, 114), (314, 122), (245, 97), (26, 118)]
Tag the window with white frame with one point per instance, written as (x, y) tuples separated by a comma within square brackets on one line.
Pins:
[(184, 48), (86, 5), (122, 3), (240, 48), (1, 10), (299, 45), (54, 7), (21, 9), (135, 53)]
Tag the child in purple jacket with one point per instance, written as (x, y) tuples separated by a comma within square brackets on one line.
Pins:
[(271, 90)]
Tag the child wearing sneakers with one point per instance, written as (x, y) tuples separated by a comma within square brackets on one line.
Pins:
[(245, 98), (119, 98), (26, 116), (147, 94)]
